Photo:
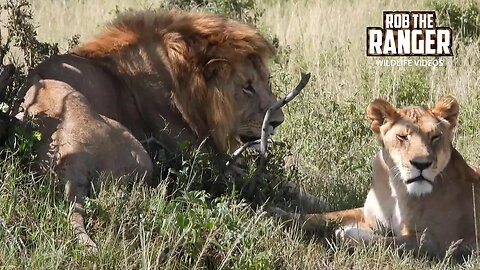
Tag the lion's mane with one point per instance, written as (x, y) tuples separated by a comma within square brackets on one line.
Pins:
[(187, 42)]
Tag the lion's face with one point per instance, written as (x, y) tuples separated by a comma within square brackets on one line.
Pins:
[(253, 97), (416, 141)]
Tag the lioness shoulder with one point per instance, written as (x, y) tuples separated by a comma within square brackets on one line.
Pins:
[(422, 191)]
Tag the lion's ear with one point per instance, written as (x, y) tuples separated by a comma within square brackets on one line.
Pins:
[(217, 68), (447, 108), (380, 112)]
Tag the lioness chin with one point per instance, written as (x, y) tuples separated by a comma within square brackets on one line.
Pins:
[(423, 191)]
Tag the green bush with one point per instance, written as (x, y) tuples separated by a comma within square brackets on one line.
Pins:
[(406, 88), (20, 35), (244, 10), (463, 19)]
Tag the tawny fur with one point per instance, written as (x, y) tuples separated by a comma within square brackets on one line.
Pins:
[(188, 43), (431, 221), (171, 75)]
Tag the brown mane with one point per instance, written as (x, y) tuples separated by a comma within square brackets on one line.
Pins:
[(136, 43)]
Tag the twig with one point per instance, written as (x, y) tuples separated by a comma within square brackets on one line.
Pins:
[(305, 78), (246, 145), (475, 218), (263, 141), (265, 135), (240, 150), (266, 120)]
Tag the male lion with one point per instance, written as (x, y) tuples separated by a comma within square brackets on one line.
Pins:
[(422, 190), (171, 75)]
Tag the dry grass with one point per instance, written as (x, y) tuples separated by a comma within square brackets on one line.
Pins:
[(59, 20), (326, 126), (328, 39)]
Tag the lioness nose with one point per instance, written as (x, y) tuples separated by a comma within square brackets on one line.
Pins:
[(421, 165)]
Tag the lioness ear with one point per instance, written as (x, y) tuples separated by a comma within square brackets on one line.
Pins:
[(447, 108), (379, 112), (217, 68)]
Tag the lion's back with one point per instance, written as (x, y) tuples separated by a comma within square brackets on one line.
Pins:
[(73, 131), (105, 92)]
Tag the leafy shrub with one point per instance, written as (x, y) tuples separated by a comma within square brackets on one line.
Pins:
[(20, 36), (244, 10), (408, 87), (25, 140), (463, 19)]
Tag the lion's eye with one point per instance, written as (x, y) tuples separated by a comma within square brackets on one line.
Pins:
[(402, 138), (435, 138), (249, 89)]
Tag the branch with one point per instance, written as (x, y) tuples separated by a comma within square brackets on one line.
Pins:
[(240, 150), (305, 78), (265, 135), (246, 145)]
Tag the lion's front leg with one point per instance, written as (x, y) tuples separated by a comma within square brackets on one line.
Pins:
[(345, 220), (312, 223), (307, 202), (356, 229)]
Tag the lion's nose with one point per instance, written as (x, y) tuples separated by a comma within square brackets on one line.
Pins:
[(421, 165), (277, 118), (275, 124)]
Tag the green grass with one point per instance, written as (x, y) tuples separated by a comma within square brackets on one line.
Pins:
[(140, 228), (326, 128)]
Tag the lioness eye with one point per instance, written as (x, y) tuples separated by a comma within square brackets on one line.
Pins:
[(435, 138), (402, 137), (249, 89)]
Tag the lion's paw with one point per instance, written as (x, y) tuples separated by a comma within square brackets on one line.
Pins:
[(352, 232)]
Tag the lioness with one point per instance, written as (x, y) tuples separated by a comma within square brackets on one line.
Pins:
[(422, 190), (171, 75)]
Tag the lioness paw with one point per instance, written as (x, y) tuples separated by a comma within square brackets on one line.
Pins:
[(352, 232)]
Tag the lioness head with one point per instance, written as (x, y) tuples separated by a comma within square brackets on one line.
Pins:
[(416, 141)]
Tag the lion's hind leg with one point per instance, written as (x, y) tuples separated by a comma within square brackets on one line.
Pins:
[(74, 175), (78, 225), (83, 144)]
